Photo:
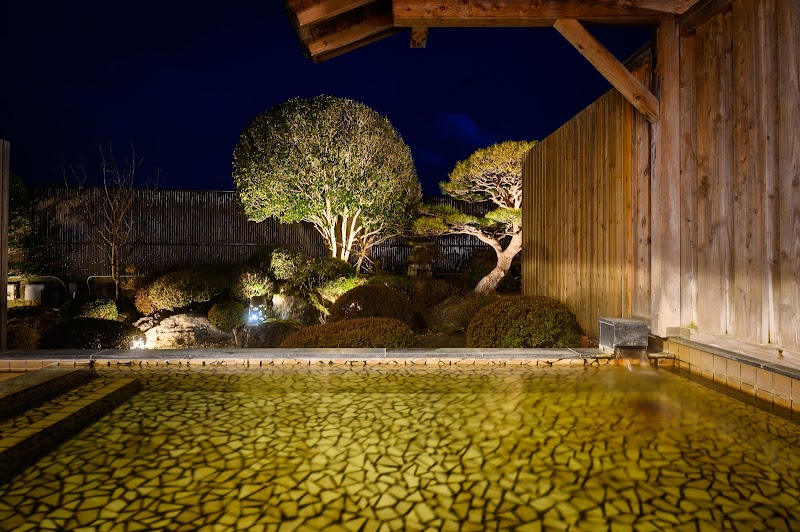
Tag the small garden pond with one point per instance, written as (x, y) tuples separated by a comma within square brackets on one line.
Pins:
[(410, 447)]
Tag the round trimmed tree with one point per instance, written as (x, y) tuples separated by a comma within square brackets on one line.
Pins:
[(329, 161)]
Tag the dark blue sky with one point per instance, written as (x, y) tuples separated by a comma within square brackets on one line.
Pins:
[(180, 84)]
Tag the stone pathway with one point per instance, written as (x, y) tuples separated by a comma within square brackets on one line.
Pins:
[(415, 448)]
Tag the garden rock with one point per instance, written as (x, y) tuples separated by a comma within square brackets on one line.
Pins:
[(293, 308), (269, 334), (185, 330)]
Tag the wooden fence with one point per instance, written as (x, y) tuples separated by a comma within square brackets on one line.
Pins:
[(583, 189), (206, 227), (592, 197)]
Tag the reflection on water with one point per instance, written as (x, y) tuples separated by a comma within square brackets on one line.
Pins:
[(412, 448)]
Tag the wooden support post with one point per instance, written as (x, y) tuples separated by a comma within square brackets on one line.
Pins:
[(665, 187), (419, 37), (5, 153), (608, 65)]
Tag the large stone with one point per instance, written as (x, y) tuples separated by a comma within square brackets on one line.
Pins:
[(269, 334), (291, 307), (185, 331)]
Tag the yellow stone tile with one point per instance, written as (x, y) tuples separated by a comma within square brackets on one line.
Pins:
[(783, 402), (747, 388), (720, 365), (764, 379), (765, 395), (782, 386), (748, 375)]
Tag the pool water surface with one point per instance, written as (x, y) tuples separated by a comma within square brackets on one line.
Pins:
[(413, 448)]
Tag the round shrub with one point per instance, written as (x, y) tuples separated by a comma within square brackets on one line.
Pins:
[(180, 288), (143, 303), (288, 264), (226, 315), (364, 332), (372, 302), (251, 281), (83, 307), (91, 333), (326, 269), (524, 321)]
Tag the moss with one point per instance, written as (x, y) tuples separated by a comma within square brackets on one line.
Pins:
[(226, 315), (524, 321), (91, 333), (84, 307), (364, 332)]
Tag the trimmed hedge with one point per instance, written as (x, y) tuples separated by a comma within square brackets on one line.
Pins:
[(251, 281), (226, 315), (91, 333), (364, 332), (83, 307), (181, 288), (143, 303), (372, 302), (288, 264), (524, 321)]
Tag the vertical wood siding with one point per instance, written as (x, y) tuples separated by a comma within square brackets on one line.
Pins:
[(589, 195), (209, 227), (584, 186)]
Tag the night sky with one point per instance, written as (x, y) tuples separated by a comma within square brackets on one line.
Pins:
[(180, 84)]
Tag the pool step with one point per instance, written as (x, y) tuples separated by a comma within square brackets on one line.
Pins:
[(35, 388), (32, 434)]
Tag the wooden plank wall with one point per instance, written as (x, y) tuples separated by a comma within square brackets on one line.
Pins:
[(584, 187), (741, 173), (209, 227)]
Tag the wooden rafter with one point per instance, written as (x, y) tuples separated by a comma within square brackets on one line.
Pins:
[(419, 37), (321, 58), (532, 13), (328, 9), (611, 69), (369, 28)]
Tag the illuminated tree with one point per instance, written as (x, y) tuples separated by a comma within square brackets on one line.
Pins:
[(490, 174), (332, 162)]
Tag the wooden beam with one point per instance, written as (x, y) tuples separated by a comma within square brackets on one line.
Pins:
[(608, 65), (328, 9), (544, 13), (665, 190), (419, 37), (351, 35), (353, 46), (5, 153)]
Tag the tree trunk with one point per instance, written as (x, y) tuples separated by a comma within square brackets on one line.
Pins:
[(504, 257)]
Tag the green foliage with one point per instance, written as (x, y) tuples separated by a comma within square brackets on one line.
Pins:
[(524, 321), (429, 292), (316, 160), (143, 303), (251, 281), (503, 215), (100, 308), (226, 315), (493, 173), (372, 302), (180, 288), (398, 283), (288, 264), (364, 332), (91, 333), (324, 269)]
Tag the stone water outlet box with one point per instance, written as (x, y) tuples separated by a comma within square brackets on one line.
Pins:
[(622, 332)]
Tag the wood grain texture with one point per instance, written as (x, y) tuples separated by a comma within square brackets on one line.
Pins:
[(374, 25), (688, 125), (327, 9), (611, 69), (525, 13)]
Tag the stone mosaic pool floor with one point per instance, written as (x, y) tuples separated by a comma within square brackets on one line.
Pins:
[(416, 448)]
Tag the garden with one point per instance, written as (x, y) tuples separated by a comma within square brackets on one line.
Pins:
[(342, 168)]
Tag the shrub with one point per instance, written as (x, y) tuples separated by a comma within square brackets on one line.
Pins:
[(288, 264), (430, 292), (82, 307), (524, 321), (23, 336), (143, 303), (372, 302), (398, 283), (251, 281), (326, 269), (364, 332), (226, 315), (180, 288), (91, 333)]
